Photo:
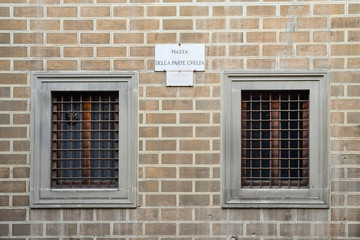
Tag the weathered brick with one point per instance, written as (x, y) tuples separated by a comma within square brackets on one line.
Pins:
[(145, 214), (61, 11), (194, 172), (4, 118), (194, 229), (12, 25), (95, 38), (160, 92), (261, 10), (311, 22), (61, 38), (194, 11), (128, 11), (110, 215), (194, 200), (345, 22), (295, 229), (56, 229), (161, 38), (174, 24), (176, 186), (97, 229), (44, 215), (95, 65), (160, 200), (246, 214), (345, 186), (148, 132), (78, 215), (294, 63), (44, 52), (177, 158), (13, 51), (78, 51), (176, 214), (209, 24), (4, 12), (78, 25), (25, 65), (244, 50), (194, 37), (177, 104), (160, 229), (4, 172), (127, 229), (354, 8), (149, 105), (327, 36), (44, 25), (20, 201), (21, 172), (61, 64), (312, 215), (4, 201), (149, 186), (261, 37), (5, 38), (261, 64), (161, 118), (160, 172), (129, 65), (12, 158), (227, 64), (12, 214), (13, 132), (177, 132), (291, 37), (207, 186), (244, 23), (111, 25), (161, 145), (224, 229), (28, 12), (354, 230), (207, 158), (329, 9), (144, 24), (311, 50), (98, 11), (27, 229), (194, 118), (353, 63), (278, 50), (295, 10), (207, 132), (111, 51), (4, 229), (161, 11)]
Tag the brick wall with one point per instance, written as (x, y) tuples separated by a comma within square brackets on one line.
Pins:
[(179, 165)]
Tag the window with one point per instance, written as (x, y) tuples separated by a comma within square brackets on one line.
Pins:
[(83, 140), (275, 140)]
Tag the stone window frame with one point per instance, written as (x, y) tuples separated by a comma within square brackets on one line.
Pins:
[(316, 196), (41, 193)]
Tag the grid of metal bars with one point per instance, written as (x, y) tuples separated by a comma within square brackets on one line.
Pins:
[(84, 140), (275, 139)]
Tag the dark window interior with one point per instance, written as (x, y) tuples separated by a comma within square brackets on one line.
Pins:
[(275, 139), (84, 140)]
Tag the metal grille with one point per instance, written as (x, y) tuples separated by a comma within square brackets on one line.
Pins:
[(84, 140), (275, 139)]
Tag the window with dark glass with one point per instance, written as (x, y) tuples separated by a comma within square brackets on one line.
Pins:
[(85, 138), (275, 139)]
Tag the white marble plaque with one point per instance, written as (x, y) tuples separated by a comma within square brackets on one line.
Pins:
[(179, 78), (179, 57)]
